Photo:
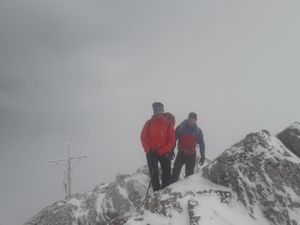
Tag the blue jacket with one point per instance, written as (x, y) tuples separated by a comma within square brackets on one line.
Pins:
[(189, 136)]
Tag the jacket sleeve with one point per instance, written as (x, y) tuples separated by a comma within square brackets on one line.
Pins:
[(170, 142), (144, 137), (200, 141)]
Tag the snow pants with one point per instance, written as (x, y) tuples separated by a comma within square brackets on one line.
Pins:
[(165, 163), (182, 159)]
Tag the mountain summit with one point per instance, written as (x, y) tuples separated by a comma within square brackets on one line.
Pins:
[(256, 181)]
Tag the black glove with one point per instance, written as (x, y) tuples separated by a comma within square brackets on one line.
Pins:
[(169, 155), (172, 154), (201, 161)]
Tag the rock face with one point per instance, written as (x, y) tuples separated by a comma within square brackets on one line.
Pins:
[(263, 173), (104, 203), (101, 206), (290, 137), (259, 175)]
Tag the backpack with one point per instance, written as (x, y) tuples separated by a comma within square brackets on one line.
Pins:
[(182, 125), (170, 117)]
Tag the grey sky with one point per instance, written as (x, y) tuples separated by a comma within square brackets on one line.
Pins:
[(87, 72)]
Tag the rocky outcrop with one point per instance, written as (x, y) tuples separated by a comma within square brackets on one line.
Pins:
[(58, 213), (99, 207), (168, 203), (193, 209), (290, 137), (263, 173), (259, 175)]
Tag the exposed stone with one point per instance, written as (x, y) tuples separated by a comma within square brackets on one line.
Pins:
[(290, 137), (193, 210), (260, 172)]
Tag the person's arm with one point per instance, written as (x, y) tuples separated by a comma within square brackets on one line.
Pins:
[(144, 137), (201, 143)]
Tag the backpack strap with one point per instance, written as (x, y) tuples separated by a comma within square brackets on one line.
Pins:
[(197, 129), (181, 127)]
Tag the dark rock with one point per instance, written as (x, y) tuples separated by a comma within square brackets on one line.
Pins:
[(262, 172), (290, 137), (193, 210)]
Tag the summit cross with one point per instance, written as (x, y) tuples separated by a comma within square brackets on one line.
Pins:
[(68, 167)]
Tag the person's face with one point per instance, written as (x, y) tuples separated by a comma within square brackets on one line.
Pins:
[(158, 112), (192, 121)]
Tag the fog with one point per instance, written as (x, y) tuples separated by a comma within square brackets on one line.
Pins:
[(87, 73)]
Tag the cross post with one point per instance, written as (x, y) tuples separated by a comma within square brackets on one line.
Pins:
[(67, 169)]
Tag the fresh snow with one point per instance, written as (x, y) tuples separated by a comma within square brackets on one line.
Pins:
[(203, 193), (211, 210)]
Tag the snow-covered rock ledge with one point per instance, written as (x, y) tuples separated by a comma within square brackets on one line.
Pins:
[(262, 172), (256, 181)]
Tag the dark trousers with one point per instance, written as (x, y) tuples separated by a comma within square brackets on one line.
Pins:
[(165, 163), (181, 159)]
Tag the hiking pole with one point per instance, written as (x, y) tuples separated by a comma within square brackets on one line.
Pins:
[(151, 178), (150, 182)]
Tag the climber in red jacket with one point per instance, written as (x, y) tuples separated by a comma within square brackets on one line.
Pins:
[(158, 138)]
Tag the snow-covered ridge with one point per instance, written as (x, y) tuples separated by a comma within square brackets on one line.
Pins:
[(262, 172), (256, 181)]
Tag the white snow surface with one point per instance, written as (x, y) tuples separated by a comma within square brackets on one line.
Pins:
[(211, 210), (204, 192)]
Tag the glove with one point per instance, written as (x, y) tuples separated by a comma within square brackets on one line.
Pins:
[(169, 155), (201, 161), (172, 155)]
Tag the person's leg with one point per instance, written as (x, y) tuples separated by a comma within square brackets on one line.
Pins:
[(153, 169), (179, 162), (189, 165), (165, 163)]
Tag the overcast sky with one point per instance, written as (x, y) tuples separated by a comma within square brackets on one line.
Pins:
[(87, 72)]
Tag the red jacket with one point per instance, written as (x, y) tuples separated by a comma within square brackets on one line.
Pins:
[(158, 137)]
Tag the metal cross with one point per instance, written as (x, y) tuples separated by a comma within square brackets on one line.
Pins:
[(67, 169)]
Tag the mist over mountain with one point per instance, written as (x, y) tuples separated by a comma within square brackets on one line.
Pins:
[(256, 181)]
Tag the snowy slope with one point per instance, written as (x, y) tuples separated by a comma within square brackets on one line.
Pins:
[(264, 174), (195, 200), (256, 181)]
